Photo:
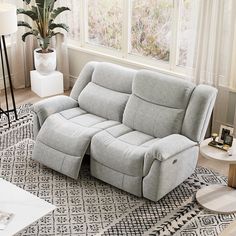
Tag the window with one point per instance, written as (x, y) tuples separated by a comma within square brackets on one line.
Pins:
[(72, 18), (151, 28), (156, 32), (105, 23), (186, 21)]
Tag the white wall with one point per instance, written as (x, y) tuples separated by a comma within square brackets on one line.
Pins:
[(77, 60), (78, 57)]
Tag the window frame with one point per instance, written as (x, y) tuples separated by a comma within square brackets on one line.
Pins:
[(124, 54)]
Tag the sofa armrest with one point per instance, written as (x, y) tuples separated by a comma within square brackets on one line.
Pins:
[(166, 148), (49, 106)]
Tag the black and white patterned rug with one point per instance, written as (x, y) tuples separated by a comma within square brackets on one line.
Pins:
[(89, 207), (20, 129)]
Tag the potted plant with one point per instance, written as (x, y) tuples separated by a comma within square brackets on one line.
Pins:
[(43, 15)]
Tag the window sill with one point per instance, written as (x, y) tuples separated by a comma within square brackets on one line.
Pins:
[(128, 62)]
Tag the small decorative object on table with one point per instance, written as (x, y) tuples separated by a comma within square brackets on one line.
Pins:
[(225, 139), (224, 131), (214, 136), (228, 140), (216, 144)]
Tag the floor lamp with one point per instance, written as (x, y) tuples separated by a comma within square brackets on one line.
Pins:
[(8, 25)]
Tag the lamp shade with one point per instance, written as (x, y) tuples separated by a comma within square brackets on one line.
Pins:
[(8, 19)]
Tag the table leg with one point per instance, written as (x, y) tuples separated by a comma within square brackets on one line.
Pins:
[(232, 176)]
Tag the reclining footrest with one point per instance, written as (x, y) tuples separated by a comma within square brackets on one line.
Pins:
[(57, 160)]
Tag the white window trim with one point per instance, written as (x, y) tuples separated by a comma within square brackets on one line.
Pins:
[(125, 55), (126, 26), (126, 61)]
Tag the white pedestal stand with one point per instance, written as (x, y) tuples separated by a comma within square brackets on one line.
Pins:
[(46, 85)]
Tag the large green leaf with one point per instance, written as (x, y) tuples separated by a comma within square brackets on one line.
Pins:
[(50, 3), (29, 13), (40, 3), (52, 33), (23, 23), (62, 26), (42, 12), (51, 7), (34, 9), (38, 12), (32, 32), (44, 3), (58, 11)]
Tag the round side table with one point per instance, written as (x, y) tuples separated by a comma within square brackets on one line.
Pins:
[(219, 198)]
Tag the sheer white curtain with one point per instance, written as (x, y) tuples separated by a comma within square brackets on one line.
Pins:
[(214, 54), (60, 44), (214, 44), (21, 55)]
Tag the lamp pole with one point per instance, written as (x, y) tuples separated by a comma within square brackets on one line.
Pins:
[(8, 25)]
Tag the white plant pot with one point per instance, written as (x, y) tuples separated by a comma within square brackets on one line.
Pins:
[(45, 63)]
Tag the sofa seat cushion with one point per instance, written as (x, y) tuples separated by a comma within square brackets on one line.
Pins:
[(122, 149), (76, 127), (68, 132)]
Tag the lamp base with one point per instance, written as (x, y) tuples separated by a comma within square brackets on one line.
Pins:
[(7, 111)]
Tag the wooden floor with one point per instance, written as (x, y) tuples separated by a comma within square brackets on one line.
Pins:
[(23, 96)]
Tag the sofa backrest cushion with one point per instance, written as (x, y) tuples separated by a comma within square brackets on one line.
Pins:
[(199, 112), (108, 92), (114, 77), (157, 104), (84, 78)]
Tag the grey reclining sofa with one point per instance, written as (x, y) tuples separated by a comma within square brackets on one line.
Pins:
[(142, 129)]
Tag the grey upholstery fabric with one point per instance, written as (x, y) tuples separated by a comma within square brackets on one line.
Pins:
[(114, 77), (150, 153), (108, 92), (158, 121), (103, 102), (72, 113), (165, 148), (199, 112), (69, 133), (164, 176), (157, 105), (62, 162), (52, 105), (36, 126), (131, 184), (84, 78), (162, 89), (124, 152)]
